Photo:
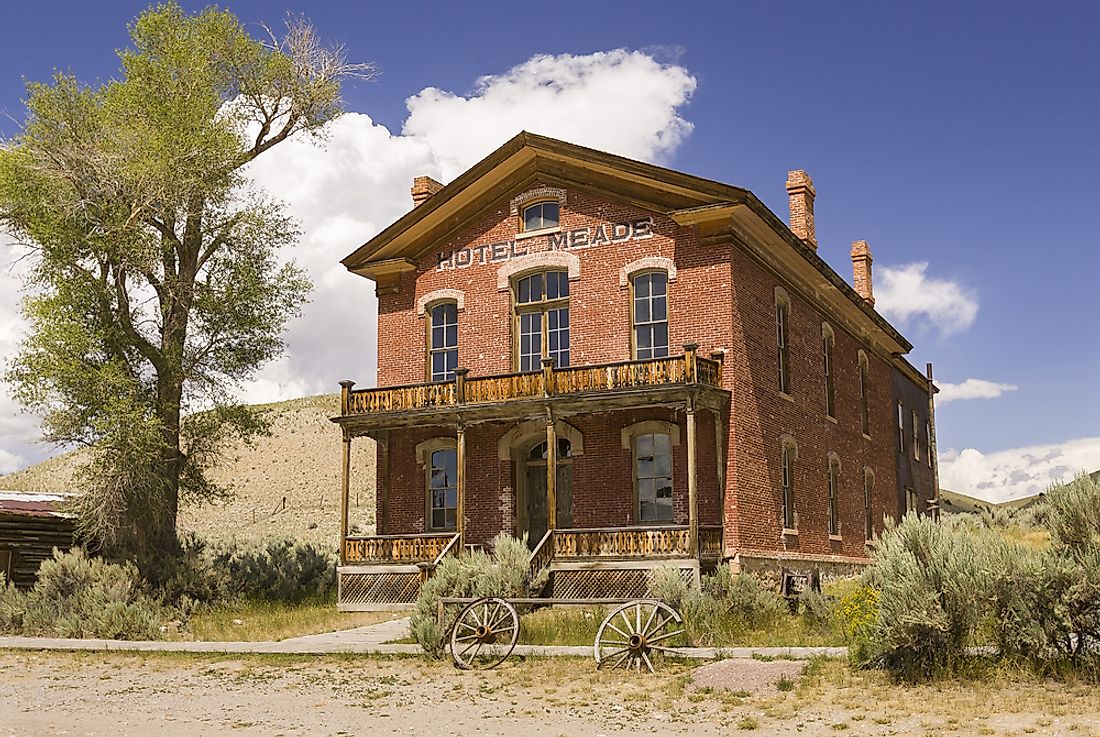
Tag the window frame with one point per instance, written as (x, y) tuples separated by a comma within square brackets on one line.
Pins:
[(634, 317), (868, 498), (788, 457), (430, 350), (539, 203), (429, 460), (543, 307), (928, 441), (864, 394), (916, 437), (672, 443), (828, 346), (834, 496), (901, 428), (783, 341)]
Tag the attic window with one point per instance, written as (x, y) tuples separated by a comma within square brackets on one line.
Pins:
[(540, 216)]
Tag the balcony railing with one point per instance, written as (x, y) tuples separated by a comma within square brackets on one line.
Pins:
[(429, 548), (688, 368), (623, 542)]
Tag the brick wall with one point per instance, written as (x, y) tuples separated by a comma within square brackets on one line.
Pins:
[(722, 299)]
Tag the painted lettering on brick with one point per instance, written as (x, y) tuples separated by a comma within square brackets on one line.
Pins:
[(566, 240)]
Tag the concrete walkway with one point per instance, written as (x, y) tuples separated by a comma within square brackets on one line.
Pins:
[(372, 640)]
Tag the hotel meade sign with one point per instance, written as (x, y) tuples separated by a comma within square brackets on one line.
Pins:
[(564, 240)]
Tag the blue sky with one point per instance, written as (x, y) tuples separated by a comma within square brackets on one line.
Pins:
[(963, 136)]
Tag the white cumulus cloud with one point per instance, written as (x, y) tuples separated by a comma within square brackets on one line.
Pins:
[(347, 188), (971, 389), (1009, 474), (620, 101), (907, 295)]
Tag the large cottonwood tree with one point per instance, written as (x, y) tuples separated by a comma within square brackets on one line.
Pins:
[(156, 286)]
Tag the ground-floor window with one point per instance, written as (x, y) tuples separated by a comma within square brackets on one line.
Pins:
[(653, 476), (443, 489)]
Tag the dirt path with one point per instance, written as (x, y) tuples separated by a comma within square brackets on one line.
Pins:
[(170, 695)]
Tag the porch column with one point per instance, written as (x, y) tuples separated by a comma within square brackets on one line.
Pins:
[(345, 488), (551, 473), (693, 483), (460, 487)]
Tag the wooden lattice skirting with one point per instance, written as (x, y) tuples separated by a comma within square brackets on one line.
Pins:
[(612, 580), (373, 588)]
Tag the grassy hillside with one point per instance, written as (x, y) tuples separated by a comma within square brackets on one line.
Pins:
[(299, 463)]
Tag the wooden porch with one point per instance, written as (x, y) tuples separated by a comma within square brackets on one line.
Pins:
[(388, 569)]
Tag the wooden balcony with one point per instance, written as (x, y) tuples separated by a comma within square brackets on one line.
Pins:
[(636, 379)]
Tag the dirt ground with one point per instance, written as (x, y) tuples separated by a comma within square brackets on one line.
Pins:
[(169, 695)]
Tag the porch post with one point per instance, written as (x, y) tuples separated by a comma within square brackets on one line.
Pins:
[(693, 482), (460, 487), (345, 488), (551, 473)]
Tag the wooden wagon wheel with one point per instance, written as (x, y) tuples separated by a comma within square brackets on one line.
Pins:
[(484, 634), (633, 631)]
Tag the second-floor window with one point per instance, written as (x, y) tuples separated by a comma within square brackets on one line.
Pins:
[(901, 428), (864, 402), (651, 315), (782, 339), (916, 437), (827, 368), (542, 319), (443, 342)]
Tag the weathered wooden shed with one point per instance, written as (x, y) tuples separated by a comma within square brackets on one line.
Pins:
[(31, 526)]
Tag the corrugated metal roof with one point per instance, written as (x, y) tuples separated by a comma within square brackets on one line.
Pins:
[(31, 504)]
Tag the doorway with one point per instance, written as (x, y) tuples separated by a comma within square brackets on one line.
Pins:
[(532, 479)]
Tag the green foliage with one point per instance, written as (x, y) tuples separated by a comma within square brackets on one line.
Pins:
[(818, 611), (81, 596), (928, 603), (502, 574), (156, 282), (277, 570), (724, 608), (280, 570), (13, 605)]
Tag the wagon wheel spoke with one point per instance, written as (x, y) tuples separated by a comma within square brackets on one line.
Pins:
[(624, 634), (648, 664), (665, 636)]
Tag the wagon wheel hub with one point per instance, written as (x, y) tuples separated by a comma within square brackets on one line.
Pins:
[(637, 642)]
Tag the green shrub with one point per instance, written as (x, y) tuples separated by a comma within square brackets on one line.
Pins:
[(723, 608), (503, 574), (278, 570), (818, 611), (929, 603), (13, 605), (193, 578), (79, 596)]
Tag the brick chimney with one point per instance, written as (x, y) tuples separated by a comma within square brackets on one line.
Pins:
[(800, 190), (423, 188), (861, 271)]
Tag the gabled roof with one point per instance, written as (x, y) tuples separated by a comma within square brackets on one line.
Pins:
[(689, 200)]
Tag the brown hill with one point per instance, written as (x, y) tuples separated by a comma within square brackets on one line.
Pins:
[(284, 485)]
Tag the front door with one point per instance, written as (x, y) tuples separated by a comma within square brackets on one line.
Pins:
[(534, 485)]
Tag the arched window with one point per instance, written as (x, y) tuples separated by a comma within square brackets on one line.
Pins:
[(442, 489), (542, 319), (650, 314), (653, 476), (864, 401), (827, 368), (442, 341), (834, 494), (788, 456), (782, 339), (868, 495), (541, 215)]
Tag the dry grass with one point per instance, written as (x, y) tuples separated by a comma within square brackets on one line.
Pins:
[(300, 462), (260, 621)]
